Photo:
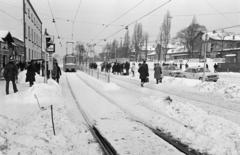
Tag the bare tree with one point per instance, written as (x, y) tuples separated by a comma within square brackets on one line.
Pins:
[(187, 35), (80, 51), (137, 39), (126, 45), (164, 36), (145, 38)]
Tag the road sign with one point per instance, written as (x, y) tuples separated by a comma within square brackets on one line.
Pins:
[(51, 48)]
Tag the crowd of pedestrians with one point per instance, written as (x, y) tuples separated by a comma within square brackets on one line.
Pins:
[(11, 70), (126, 69)]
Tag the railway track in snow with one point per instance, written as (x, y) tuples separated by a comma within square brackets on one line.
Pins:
[(167, 92), (165, 136), (106, 147)]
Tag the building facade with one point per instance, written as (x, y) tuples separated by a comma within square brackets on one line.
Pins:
[(18, 49), (32, 32)]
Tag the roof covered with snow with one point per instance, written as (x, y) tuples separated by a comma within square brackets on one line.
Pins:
[(223, 36)]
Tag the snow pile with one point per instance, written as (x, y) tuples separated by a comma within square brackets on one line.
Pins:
[(230, 91), (180, 81), (22, 77), (207, 132), (27, 129)]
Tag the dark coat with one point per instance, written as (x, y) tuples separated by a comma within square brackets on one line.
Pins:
[(10, 71), (143, 71), (56, 72), (157, 72), (31, 72)]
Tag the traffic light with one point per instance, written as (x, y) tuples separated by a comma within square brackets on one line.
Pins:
[(48, 41)]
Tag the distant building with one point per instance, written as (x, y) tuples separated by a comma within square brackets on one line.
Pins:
[(18, 49), (6, 48), (32, 32)]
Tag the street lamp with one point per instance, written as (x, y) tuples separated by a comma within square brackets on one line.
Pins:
[(205, 38)]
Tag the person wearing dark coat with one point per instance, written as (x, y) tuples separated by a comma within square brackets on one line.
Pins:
[(127, 67), (158, 73), (56, 72), (31, 72), (10, 74), (143, 71)]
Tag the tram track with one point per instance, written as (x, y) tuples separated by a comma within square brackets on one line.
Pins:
[(160, 133), (107, 148)]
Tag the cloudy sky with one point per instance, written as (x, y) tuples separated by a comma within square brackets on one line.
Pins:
[(91, 16)]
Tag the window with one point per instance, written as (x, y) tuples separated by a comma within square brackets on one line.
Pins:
[(29, 54), (29, 33), (32, 35), (28, 13), (26, 31)]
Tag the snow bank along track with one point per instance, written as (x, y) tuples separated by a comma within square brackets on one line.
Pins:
[(104, 144), (134, 82), (168, 138)]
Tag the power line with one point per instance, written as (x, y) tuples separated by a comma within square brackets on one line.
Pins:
[(229, 27), (210, 5), (54, 22), (75, 16), (145, 15), (4, 12), (119, 17)]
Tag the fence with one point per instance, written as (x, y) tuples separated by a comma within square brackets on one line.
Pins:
[(104, 76)]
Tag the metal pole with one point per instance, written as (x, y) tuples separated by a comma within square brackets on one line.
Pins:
[(52, 120), (204, 67)]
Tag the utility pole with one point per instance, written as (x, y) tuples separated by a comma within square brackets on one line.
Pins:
[(205, 38)]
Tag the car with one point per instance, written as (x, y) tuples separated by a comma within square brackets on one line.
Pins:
[(171, 70), (197, 73)]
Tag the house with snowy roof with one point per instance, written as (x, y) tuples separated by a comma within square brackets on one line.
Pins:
[(6, 47), (223, 45)]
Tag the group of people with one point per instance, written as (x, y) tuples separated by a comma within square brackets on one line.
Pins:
[(124, 68), (144, 73), (10, 72)]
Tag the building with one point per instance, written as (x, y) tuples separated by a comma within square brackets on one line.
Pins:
[(32, 32), (6, 48), (18, 49)]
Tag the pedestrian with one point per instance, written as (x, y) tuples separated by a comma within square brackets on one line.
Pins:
[(186, 66), (143, 71), (158, 73), (31, 72), (215, 67), (10, 74), (127, 66), (133, 69), (207, 66), (56, 72)]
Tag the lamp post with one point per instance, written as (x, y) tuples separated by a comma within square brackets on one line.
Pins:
[(205, 38)]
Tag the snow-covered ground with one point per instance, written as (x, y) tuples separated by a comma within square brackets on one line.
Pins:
[(201, 115), (25, 127), (192, 125)]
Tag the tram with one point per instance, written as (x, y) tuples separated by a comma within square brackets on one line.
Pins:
[(70, 63)]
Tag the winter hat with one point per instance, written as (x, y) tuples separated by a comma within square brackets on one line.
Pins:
[(11, 58)]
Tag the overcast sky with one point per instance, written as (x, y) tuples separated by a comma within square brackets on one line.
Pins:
[(93, 14)]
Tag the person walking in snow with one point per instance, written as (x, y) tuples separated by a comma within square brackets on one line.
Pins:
[(56, 72), (143, 71), (10, 74), (158, 73), (31, 72), (133, 69)]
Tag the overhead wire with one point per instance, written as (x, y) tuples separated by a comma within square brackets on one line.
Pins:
[(119, 17), (54, 22), (210, 5), (145, 15), (75, 16)]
